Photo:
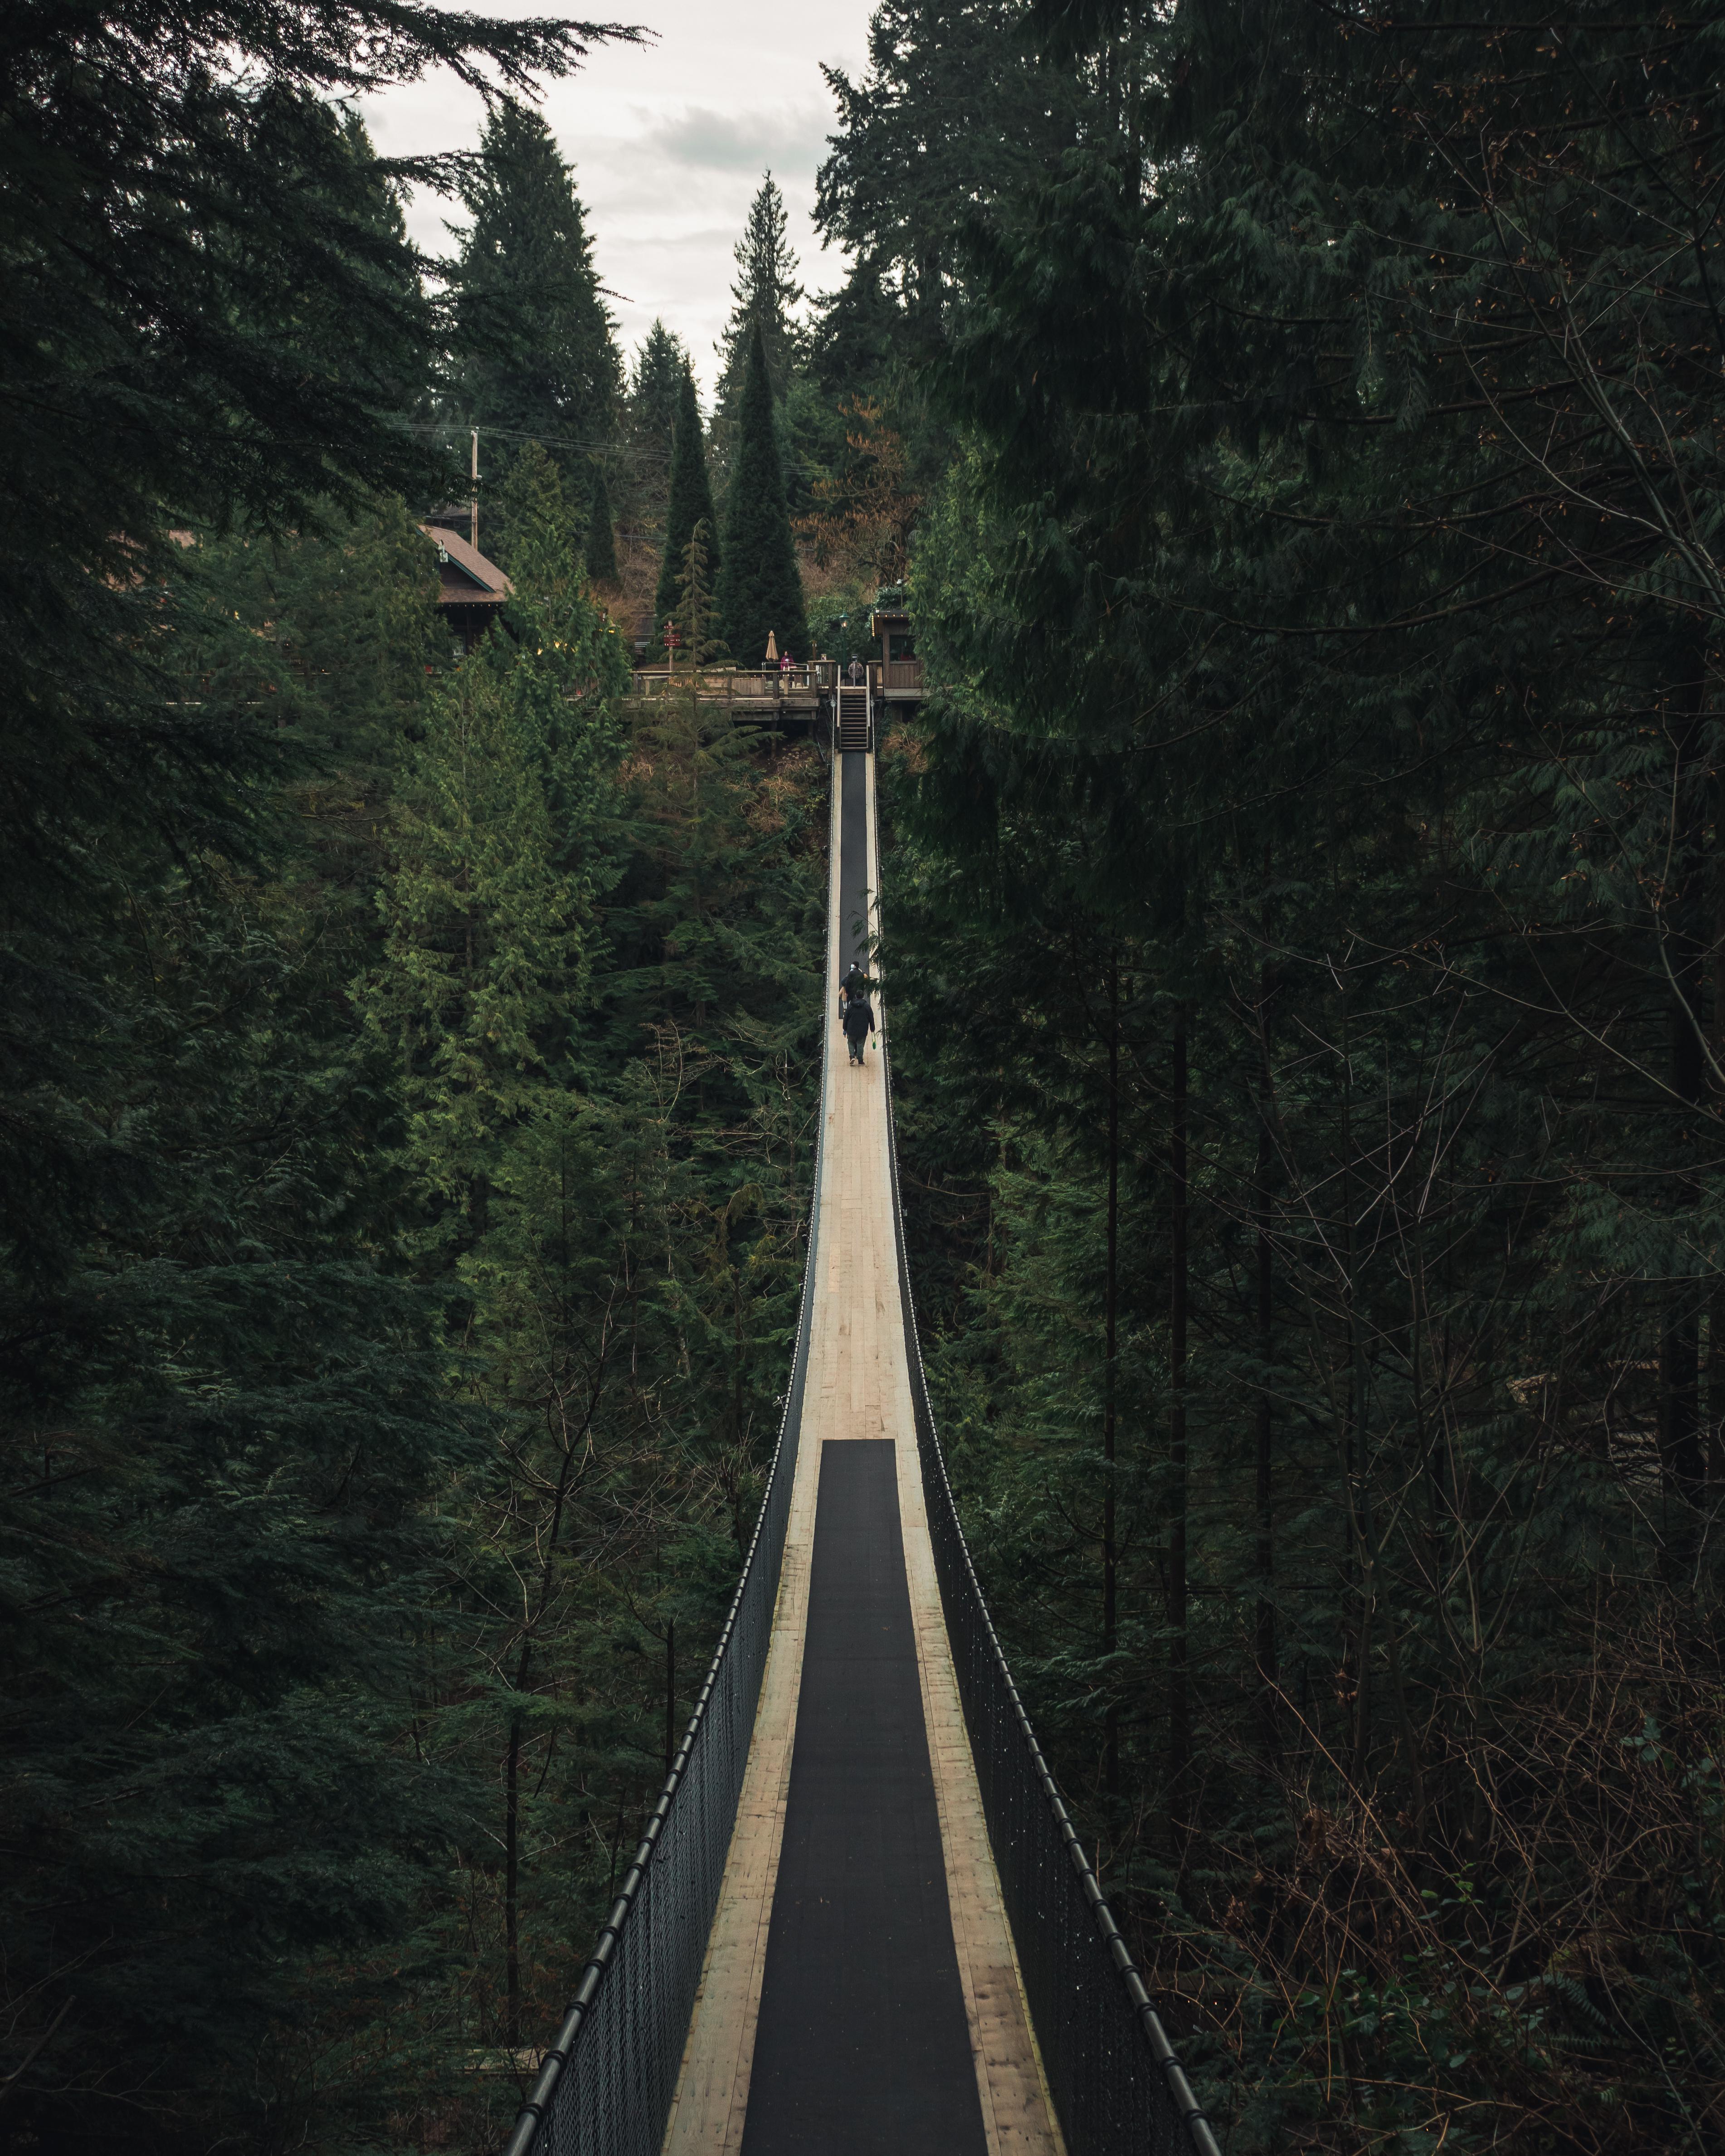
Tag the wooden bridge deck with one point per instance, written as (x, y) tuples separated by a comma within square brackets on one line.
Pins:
[(861, 1995)]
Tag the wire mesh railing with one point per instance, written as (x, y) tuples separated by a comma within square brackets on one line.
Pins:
[(605, 2086), (1117, 2083)]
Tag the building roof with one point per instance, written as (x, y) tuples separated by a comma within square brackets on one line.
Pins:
[(888, 618), (465, 577)]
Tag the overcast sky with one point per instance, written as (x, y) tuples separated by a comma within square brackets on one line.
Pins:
[(668, 143)]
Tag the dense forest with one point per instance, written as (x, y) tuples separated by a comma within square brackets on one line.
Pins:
[(1294, 432)]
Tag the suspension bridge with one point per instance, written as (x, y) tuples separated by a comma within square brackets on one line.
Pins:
[(859, 1922)]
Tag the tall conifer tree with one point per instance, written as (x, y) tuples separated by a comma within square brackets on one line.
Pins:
[(654, 389), (601, 540), (691, 500), (762, 298), (537, 351), (760, 587)]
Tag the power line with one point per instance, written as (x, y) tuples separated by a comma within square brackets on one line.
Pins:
[(545, 441), (567, 441)]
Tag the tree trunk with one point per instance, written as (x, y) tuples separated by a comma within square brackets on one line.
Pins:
[(1263, 1539), (512, 1886), (1679, 1366), (1110, 1387), (1179, 1728), (670, 1695)]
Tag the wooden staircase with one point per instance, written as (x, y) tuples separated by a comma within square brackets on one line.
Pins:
[(854, 731)]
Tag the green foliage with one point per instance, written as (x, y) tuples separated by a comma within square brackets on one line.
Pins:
[(601, 547), (273, 1395), (691, 500), (655, 390), (1279, 811), (498, 863), (535, 352), (222, 1421), (697, 608), (595, 984), (763, 298), (760, 588), (955, 120), (656, 385), (534, 499)]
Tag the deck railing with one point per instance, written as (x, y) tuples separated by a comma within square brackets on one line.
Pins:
[(738, 684)]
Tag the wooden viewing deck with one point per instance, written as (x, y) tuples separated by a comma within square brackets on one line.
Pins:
[(771, 692)]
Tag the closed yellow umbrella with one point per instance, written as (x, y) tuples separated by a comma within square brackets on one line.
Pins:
[(771, 649)]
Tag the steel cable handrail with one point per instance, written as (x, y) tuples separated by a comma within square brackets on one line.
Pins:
[(1084, 1988), (608, 2082)]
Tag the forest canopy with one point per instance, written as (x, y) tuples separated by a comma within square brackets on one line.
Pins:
[(1293, 436)]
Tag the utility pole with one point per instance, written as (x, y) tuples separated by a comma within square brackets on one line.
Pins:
[(473, 528)]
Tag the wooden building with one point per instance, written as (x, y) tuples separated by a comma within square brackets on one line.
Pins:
[(896, 676), (471, 591)]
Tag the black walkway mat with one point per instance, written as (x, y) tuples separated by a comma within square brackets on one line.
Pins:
[(862, 2047), (852, 860)]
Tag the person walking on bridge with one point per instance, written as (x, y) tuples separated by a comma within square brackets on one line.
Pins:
[(856, 1014)]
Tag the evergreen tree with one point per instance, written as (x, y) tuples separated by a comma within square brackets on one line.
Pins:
[(223, 1425), (855, 333), (535, 352), (532, 497), (762, 298), (760, 586), (1328, 792), (656, 391), (765, 292), (691, 502), (697, 604), (498, 864), (956, 119), (601, 538), (573, 935)]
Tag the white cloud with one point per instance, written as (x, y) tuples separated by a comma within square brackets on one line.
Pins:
[(726, 141), (669, 142)]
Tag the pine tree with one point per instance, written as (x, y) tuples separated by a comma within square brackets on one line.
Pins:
[(498, 862), (536, 354), (601, 538), (697, 604), (656, 386), (957, 118), (690, 503), (763, 294), (532, 497), (655, 389), (762, 297), (760, 586), (223, 1430)]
